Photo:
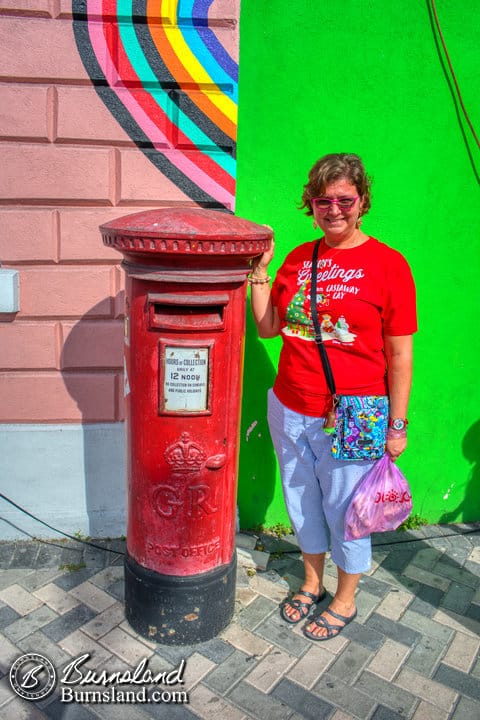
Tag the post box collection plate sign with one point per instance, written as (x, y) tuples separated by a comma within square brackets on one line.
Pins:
[(185, 379)]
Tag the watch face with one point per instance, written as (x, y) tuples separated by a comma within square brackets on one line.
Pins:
[(398, 424)]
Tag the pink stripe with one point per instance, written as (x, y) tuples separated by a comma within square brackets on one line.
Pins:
[(152, 131)]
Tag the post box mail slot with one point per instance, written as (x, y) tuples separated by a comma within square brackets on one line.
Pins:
[(168, 311)]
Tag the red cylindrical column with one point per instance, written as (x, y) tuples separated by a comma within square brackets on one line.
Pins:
[(184, 333)]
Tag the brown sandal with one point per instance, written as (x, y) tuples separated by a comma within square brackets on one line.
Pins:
[(303, 608)]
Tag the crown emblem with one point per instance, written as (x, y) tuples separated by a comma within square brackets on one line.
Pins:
[(185, 455)]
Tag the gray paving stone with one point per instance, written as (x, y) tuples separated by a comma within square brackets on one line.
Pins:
[(117, 544), (242, 578), (258, 704), (427, 626), (308, 705), (224, 676), (216, 650), (366, 636), (402, 582), (174, 654), (467, 709), (458, 598), (277, 632), (473, 611), (456, 552), (365, 602), (68, 711), (72, 553), (274, 544), (122, 712), (24, 555), (66, 624), (287, 565), (440, 529), (29, 623), (20, 709), (422, 607), (38, 578), (395, 630), (384, 713), (256, 612), (426, 655), (374, 586), (457, 680), (95, 560), (38, 642), (108, 576), (350, 663), (386, 693), (11, 576), (390, 538), (117, 589), (69, 580), (456, 573), (49, 556), (397, 561), (427, 600), (347, 698), (7, 616), (6, 554), (168, 711), (427, 557)]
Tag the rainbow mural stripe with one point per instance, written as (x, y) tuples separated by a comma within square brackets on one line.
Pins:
[(162, 71)]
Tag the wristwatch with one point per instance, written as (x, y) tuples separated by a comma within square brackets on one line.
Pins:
[(398, 423)]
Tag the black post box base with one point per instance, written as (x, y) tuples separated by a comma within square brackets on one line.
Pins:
[(178, 610)]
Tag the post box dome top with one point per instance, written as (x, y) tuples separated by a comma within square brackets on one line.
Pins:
[(185, 230)]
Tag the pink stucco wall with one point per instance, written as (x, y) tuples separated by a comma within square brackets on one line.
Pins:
[(66, 166)]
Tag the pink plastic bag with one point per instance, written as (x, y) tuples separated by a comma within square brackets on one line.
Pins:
[(382, 501)]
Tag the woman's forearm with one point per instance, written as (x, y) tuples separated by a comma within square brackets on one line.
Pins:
[(264, 313), (399, 353)]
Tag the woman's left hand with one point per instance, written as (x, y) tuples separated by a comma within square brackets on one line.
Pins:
[(395, 447)]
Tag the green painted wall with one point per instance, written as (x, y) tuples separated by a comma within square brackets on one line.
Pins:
[(369, 77)]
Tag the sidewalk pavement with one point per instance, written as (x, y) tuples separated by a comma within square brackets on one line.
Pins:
[(411, 653)]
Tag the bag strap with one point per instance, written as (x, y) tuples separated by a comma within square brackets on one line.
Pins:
[(327, 368)]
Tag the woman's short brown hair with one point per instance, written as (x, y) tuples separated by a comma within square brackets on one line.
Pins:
[(332, 167)]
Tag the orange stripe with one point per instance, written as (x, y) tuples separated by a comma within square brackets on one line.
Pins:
[(182, 76)]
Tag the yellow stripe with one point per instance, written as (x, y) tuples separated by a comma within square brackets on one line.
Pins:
[(196, 71)]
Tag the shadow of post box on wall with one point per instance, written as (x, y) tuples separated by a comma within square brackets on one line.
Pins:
[(186, 272)]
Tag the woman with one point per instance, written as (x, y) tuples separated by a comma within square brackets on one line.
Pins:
[(366, 307)]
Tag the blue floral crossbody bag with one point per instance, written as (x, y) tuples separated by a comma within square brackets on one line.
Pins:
[(358, 423)]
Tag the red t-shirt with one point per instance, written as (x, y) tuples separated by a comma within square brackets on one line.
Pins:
[(363, 293)]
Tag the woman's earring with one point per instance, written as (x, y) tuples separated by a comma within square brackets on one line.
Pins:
[(315, 225), (359, 221)]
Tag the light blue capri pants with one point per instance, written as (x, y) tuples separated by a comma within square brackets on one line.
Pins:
[(317, 487)]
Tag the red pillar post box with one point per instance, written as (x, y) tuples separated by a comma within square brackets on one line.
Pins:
[(186, 274)]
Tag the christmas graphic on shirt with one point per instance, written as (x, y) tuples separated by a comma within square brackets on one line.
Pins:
[(298, 315), (363, 293)]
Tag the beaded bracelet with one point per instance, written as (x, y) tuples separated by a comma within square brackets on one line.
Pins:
[(252, 280)]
